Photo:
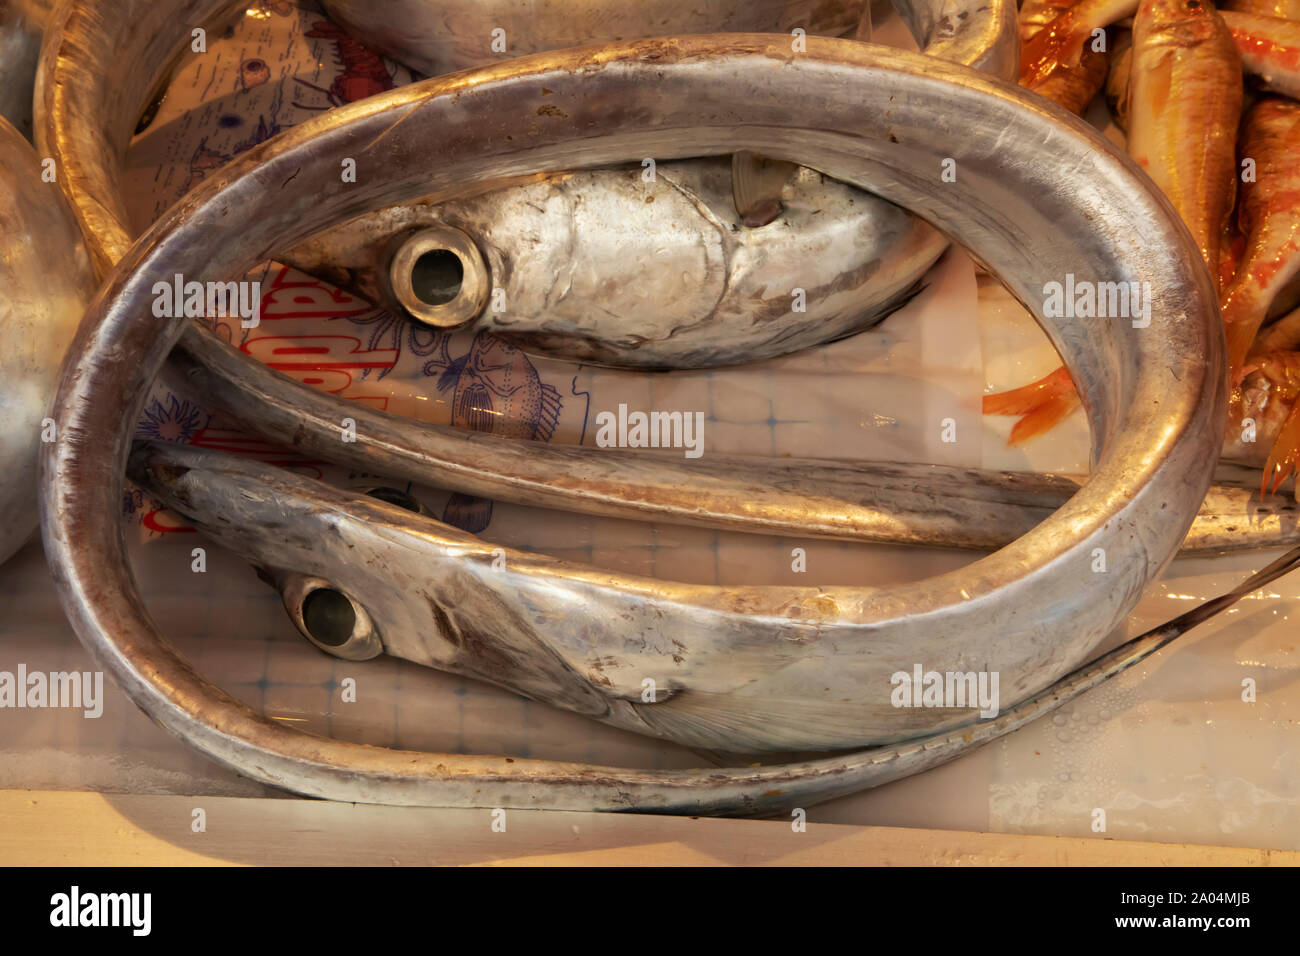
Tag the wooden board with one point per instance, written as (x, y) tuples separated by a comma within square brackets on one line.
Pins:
[(92, 829)]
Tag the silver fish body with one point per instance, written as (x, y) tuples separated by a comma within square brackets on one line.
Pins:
[(22, 27), (45, 282), (741, 670), (691, 281), (612, 266), (1031, 611), (881, 502), (442, 36)]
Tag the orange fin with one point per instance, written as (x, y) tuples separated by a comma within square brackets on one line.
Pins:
[(1241, 336), (1044, 418), (1282, 459), (1042, 405), (1026, 398)]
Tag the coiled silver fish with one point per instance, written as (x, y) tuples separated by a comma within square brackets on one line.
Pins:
[(754, 656)]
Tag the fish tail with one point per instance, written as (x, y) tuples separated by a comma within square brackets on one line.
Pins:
[(1285, 453), (1240, 325), (1042, 405), (1022, 400), (1043, 419)]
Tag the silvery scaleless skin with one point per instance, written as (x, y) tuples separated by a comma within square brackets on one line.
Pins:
[(45, 282), (442, 36), (22, 23), (606, 267), (86, 123), (878, 501), (609, 268), (755, 658), (207, 483), (598, 267), (438, 36), (882, 502)]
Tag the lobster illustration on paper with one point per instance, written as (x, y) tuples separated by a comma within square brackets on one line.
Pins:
[(364, 71)]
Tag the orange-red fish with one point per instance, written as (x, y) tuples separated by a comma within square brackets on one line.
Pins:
[(1265, 414), (1036, 14), (1270, 49), (1185, 96), (1269, 217), (1117, 77), (1287, 9), (1065, 59)]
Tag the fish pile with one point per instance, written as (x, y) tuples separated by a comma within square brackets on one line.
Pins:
[(1208, 100)]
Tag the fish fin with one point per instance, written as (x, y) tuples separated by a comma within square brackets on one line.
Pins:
[(1058, 44), (467, 512), (1042, 405), (548, 415), (1043, 419), (1241, 336), (756, 186), (748, 725), (1285, 453)]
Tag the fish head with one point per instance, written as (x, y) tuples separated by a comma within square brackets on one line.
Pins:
[(1176, 23)]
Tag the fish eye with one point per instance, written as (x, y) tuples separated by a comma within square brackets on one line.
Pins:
[(438, 276), (328, 616)]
